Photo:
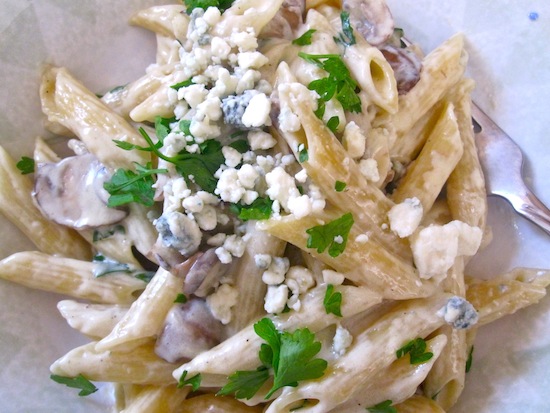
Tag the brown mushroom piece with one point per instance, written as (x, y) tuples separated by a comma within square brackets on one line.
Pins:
[(71, 193), (288, 18), (205, 274), (406, 66), (189, 329), (371, 18)]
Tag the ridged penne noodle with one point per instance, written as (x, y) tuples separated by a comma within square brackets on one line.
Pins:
[(70, 277), (371, 351), (169, 20), (248, 278), (17, 205), (157, 399), (466, 193), (68, 102), (364, 262), (398, 382), (442, 68), (247, 13), (507, 293), (419, 404), (139, 366), (240, 351), (43, 153), (146, 315), (217, 404), (427, 175), (94, 320)]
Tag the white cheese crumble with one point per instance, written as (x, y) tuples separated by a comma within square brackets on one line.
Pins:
[(276, 298), (257, 112), (369, 169), (459, 313), (354, 140), (436, 247), (221, 302), (341, 341), (405, 217), (275, 273), (259, 139), (299, 279)]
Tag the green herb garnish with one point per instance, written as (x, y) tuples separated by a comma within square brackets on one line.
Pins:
[(417, 351), (183, 84), (303, 155), (383, 407), (180, 299), (338, 83), (99, 235), (289, 357), (79, 382), (346, 38), (26, 165), (339, 186), (470, 359), (333, 123), (259, 209), (333, 301), (204, 4), (304, 39), (194, 382), (333, 235)]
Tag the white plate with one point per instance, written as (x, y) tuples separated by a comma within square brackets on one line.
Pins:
[(509, 59)]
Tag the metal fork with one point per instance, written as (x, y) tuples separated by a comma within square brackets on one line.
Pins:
[(502, 163)]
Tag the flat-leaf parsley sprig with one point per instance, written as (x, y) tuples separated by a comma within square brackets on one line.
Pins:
[(288, 357), (333, 235)]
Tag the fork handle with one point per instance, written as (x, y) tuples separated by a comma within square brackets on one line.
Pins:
[(533, 209)]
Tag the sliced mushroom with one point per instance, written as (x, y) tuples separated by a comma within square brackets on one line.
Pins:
[(71, 193), (189, 329), (205, 274), (288, 18), (406, 66), (371, 18)]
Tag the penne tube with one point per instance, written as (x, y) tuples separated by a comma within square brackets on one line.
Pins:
[(157, 399), (217, 404), (145, 318), (17, 205), (427, 175), (167, 20), (70, 277), (240, 351), (68, 102), (139, 366), (419, 404), (94, 320), (43, 153)]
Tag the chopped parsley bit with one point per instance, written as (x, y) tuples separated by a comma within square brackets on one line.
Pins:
[(201, 166), (260, 209), (241, 145), (146, 276), (117, 89), (303, 156), (470, 359), (26, 165), (346, 38), (304, 39), (417, 351), (194, 382), (79, 382), (322, 237), (339, 186), (383, 407), (333, 301), (183, 84), (185, 125), (333, 123), (105, 266), (101, 235), (288, 356), (204, 4), (181, 299), (338, 82), (126, 186)]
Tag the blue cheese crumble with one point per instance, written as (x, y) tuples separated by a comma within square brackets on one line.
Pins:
[(459, 313)]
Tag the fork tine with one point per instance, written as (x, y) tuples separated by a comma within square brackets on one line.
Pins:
[(502, 163)]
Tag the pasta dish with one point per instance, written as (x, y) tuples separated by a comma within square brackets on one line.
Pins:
[(276, 217)]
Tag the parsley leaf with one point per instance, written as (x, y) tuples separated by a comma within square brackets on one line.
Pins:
[(328, 236), (338, 82), (290, 356), (260, 209), (181, 299), (333, 301), (183, 84), (346, 38), (25, 165), (303, 156), (417, 351), (383, 407), (127, 186), (339, 186), (204, 4), (194, 382), (79, 382), (245, 384), (99, 235), (304, 39), (470, 359), (333, 123)]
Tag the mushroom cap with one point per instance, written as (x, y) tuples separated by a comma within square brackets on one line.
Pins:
[(71, 193)]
